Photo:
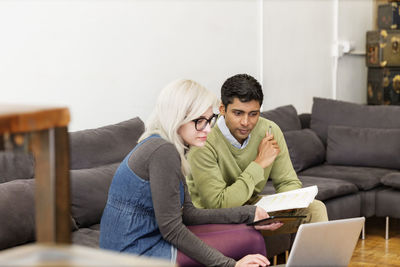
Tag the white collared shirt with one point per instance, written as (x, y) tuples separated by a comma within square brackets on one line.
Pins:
[(225, 131)]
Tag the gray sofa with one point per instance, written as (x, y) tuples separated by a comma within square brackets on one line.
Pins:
[(350, 151), (321, 146)]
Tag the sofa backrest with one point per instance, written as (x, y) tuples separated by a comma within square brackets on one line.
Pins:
[(109, 144), (305, 120), (88, 148), (15, 165), (326, 112), (357, 134), (285, 116), (369, 147)]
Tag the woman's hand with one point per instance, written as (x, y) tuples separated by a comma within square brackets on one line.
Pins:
[(252, 260), (262, 214)]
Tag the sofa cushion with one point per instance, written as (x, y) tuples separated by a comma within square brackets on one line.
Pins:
[(387, 203), (392, 179), (105, 145), (285, 116), (89, 191), (327, 112), (364, 177), (329, 188), (17, 213), (368, 201), (15, 165), (88, 237), (305, 148), (344, 207), (363, 147)]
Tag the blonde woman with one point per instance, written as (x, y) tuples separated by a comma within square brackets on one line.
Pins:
[(149, 207)]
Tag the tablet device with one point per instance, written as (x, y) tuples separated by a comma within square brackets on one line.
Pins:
[(278, 218)]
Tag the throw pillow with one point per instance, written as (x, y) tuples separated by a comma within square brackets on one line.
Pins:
[(305, 149), (364, 147), (285, 116), (105, 145), (89, 191), (327, 112)]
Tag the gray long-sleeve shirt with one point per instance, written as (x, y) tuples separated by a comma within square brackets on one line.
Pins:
[(158, 161)]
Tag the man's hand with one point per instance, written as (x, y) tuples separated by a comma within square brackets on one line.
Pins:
[(252, 260), (268, 150), (262, 214)]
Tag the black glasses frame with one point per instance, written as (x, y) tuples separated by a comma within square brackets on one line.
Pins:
[(210, 121)]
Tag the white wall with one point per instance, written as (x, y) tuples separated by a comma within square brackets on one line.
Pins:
[(299, 40), (297, 52), (107, 60), (355, 19)]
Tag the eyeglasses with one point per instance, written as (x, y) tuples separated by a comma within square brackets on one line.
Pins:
[(201, 123)]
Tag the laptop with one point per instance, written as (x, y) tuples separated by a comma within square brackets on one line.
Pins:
[(326, 243)]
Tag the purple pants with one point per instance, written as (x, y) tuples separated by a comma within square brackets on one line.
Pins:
[(232, 240)]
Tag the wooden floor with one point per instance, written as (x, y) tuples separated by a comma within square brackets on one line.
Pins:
[(375, 250)]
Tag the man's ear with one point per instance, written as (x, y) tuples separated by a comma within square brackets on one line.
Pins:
[(222, 109)]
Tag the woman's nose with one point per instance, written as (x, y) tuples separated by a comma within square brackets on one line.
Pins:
[(207, 129)]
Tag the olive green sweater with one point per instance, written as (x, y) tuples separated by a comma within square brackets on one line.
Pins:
[(223, 176)]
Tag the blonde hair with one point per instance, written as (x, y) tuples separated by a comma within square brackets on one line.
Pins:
[(179, 102)]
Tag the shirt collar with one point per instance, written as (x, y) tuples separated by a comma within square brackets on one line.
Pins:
[(225, 131)]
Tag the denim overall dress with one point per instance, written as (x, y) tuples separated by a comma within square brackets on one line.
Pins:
[(128, 223)]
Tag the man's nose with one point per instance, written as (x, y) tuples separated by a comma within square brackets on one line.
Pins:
[(244, 121)]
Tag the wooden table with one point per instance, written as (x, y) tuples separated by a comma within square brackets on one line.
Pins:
[(43, 131), (42, 255)]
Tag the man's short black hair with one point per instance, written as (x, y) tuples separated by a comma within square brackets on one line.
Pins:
[(242, 86)]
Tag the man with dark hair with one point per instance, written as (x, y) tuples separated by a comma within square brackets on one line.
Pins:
[(242, 86), (241, 153)]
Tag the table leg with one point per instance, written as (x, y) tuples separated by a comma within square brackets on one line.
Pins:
[(1, 142), (52, 197)]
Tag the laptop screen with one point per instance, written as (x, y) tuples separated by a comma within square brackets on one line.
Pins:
[(325, 243)]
